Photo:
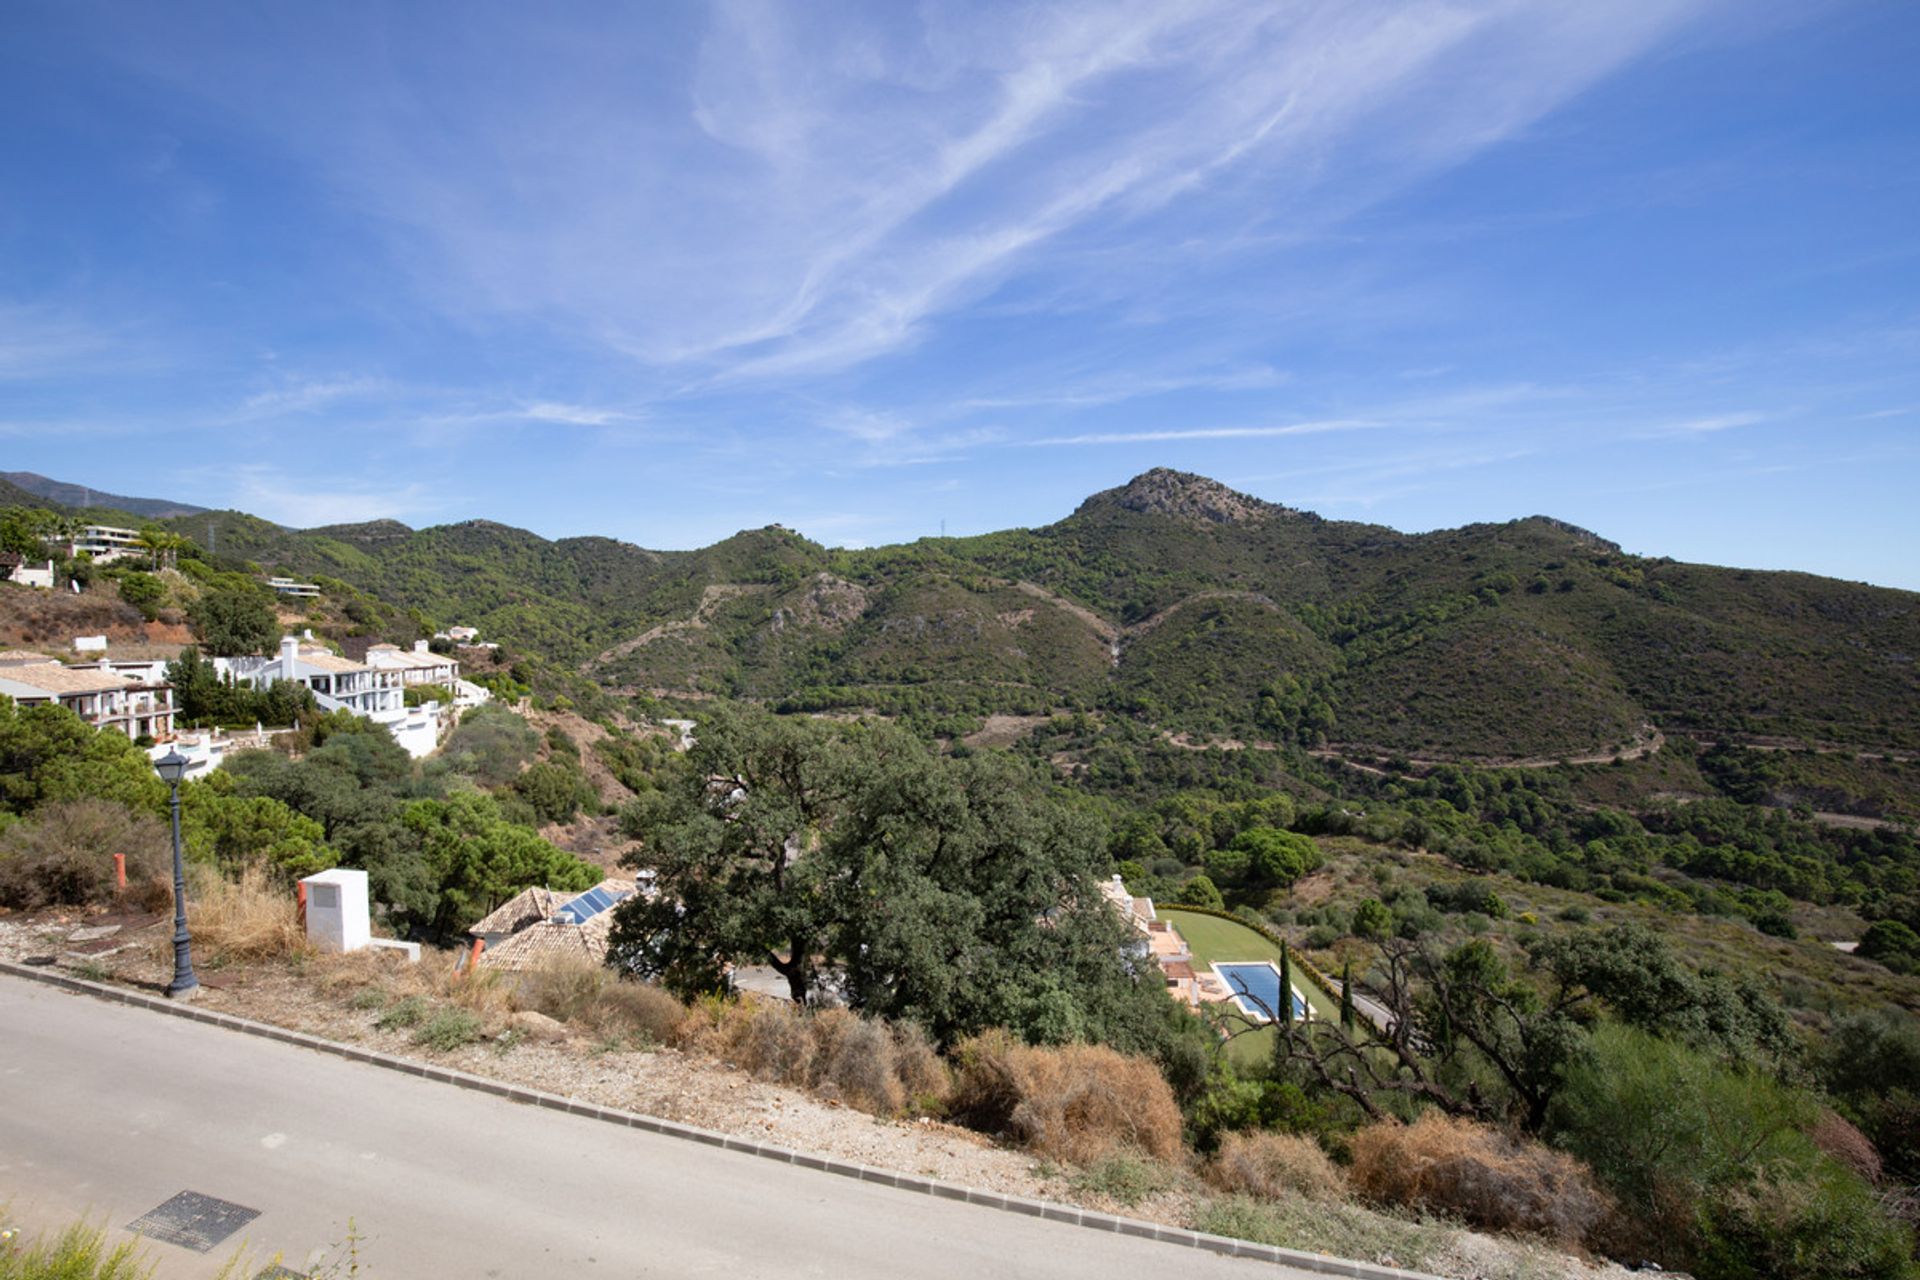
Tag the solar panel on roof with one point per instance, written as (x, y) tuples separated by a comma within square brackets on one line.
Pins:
[(588, 905)]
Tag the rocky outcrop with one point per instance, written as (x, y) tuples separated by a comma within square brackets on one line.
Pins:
[(1185, 496)]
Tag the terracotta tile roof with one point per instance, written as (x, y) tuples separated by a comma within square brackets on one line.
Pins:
[(410, 659), (536, 943), (51, 677), (524, 908), (322, 660), (546, 941), (23, 655), (531, 906)]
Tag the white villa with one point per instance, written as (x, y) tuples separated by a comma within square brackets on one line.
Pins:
[(287, 587), (132, 704), (106, 543), (341, 684), (418, 665)]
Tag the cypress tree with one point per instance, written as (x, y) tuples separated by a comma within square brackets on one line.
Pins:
[(1285, 1012)]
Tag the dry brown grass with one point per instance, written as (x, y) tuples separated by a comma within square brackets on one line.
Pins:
[(246, 919), (1073, 1102), (1482, 1175), (1837, 1137), (1271, 1166), (346, 975)]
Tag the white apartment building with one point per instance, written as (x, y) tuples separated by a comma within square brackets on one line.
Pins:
[(104, 698)]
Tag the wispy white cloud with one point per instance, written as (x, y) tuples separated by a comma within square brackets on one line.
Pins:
[(840, 189), (1086, 391), (868, 425), (1209, 433), (299, 503), (535, 412), (1714, 423), (306, 395)]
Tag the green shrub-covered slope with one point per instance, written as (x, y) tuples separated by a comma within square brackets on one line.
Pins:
[(1178, 601)]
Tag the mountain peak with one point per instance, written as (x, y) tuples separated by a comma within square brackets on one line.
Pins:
[(1185, 496)]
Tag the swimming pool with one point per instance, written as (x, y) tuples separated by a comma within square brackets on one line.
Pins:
[(1256, 988)]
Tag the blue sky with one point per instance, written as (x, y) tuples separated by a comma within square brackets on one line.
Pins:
[(667, 271)]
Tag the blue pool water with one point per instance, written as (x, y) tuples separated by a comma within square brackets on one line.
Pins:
[(1256, 989)]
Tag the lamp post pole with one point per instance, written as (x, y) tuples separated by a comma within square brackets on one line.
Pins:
[(172, 767)]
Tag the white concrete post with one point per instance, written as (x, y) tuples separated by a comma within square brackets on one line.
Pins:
[(337, 914)]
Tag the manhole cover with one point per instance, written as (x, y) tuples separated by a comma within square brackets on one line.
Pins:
[(193, 1221)]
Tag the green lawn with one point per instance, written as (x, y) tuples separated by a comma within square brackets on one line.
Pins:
[(1213, 940)]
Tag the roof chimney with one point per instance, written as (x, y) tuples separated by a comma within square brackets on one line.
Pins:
[(289, 657), (419, 646)]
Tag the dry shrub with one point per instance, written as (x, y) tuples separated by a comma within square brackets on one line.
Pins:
[(574, 989), (923, 1075), (1074, 1102), (1272, 1166), (151, 893), (63, 854), (565, 988), (773, 1043), (1845, 1144), (248, 918), (485, 992), (639, 1008), (710, 1024), (862, 1062), (1477, 1173), (855, 1057)]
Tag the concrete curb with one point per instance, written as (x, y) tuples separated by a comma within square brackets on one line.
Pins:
[(766, 1151)]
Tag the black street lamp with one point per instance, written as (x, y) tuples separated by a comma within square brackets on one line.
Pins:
[(172, 767)]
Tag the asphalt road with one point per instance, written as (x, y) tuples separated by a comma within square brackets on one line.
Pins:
[(107, 1111)]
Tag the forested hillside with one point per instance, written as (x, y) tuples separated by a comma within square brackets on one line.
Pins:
[(1175, 600), (1178, 603)]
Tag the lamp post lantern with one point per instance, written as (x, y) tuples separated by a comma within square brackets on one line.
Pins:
[(172, 767)]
